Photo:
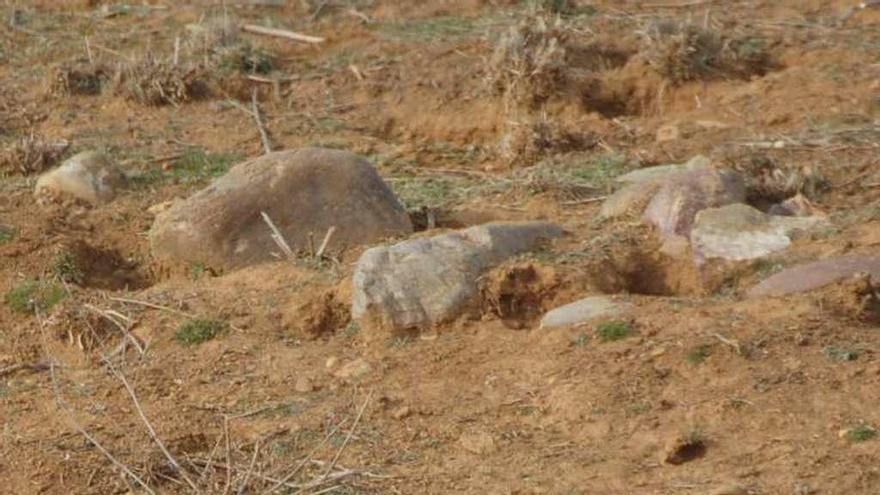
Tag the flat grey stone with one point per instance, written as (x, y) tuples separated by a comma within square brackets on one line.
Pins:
[(584, 311), (809, 276), (421, 282), (663, 172)]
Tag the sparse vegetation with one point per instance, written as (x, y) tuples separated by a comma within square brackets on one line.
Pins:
[(31, 154), (7, 234), (78, 79), (247, 59), (698, 354), (199, 330), (154, 82), (861, 433), (34, 295), (66, 267), (611, 331), (836, 353)]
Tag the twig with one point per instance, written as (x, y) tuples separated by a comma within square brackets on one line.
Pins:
[(325, 242), (264, 136), (149, 426), (281, 33), (126, 330), (585, 201), (357, 420), (692, 3), (21, 366), (278, 237), (283, 481), (151, 305), (247, 475), (228, 456), (726, 341), (230, 469)]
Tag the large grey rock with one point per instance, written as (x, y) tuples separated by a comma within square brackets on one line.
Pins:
[(815, 275), (422, 282), (584, 311), (89, 176), (304, 192), (679, 199), (739, 232), (663, 172)]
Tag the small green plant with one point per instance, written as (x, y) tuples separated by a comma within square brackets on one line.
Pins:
[(32, 295), (199, 166), (7, 233), (861, 433), (698, 354), (198, 331), (611, 331), (840, 353), (580, 340), (65, 266), (401, 341), (351, 329), (197, 271), (248, 59)]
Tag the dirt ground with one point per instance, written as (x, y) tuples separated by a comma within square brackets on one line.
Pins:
[(713, 393)]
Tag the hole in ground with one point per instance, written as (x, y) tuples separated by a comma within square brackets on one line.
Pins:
[(517, 293), (80, 263)]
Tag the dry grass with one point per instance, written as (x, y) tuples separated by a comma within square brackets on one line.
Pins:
[(768, 180), (31, 154), (77, 79), (527, 142), (528, 64), (683, 52), (155, 82)]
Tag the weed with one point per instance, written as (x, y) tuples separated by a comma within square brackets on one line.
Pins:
[(248, 60), (66, 268), (7, 234), (419, 30), (614, 330), (197, 271), (861, 433), (698, 354), (198, 331), (155, 82), (639, 408), (195, 167), (840, 353), (31, 154), (351, 329), (580, 340), (401, 341), (32, 295)]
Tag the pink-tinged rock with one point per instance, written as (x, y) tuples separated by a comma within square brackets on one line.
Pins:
[(815, 275), (679, 200)]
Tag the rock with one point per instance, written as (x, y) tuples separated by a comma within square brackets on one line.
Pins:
[(664, 172), (354, 369), (303, 385), (731, 489), (740, 232), (303, 192), (631, 199), (401, 413), (584, 311), (795, 206), (815, 275), (89, 176), (422, 282), (480, 443), (679, 200), (331, 362)]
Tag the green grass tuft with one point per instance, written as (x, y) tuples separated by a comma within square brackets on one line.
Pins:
[(861, 433), (66, 267), (198, 331), (699, 354), (614, 330), (194, 167), (32, 295), (7, 234), (840, 353)]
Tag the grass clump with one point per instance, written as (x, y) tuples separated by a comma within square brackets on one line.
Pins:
[(194, 167), (33, 295), (699, 354), (248, 60), (683, 52), (7, 234), (430, 29), (840, 353), (861, 433), (612, 331), (78, 79), (66, 267), (199, 330), (31, 154), (155, 82)]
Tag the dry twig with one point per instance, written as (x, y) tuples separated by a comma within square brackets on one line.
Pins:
[(281, 33)]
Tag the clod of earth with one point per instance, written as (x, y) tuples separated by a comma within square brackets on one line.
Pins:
[(422, 282), (809, 276), (304, 192), (740, 232), (584, 311), (89, 176), (354, 369)]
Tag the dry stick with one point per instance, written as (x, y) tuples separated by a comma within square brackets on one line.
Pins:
[(278, 237), (348, 437), (250, 470), (325, 242), (283, 481), (281, 33), (228, 456), (264, 136), (229, 469), (150, 430), (125, 331), (151, 305), (176, 51)]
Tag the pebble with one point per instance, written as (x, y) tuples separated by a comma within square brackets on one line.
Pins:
[(402, 413), (331, 362), (354, 369), (303, 385)]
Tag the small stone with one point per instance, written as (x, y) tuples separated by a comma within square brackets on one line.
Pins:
[(303, 385), (331, 362), (401, 413), (583, 311), (663, 172), (815, 275), (354, 369), (479, 443), (89, 176), (731, 489)]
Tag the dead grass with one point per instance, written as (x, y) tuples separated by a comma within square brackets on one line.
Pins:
[(155, 81), (527, 142), (682, 52), (31, 154), (77, 79)]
